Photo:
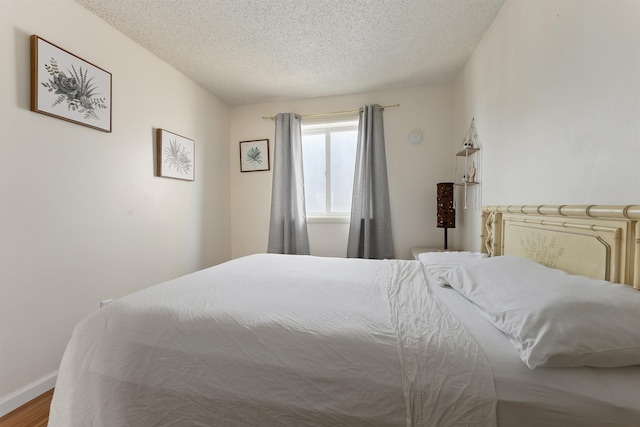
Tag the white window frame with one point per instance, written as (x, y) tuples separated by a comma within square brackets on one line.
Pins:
[(325, 127)]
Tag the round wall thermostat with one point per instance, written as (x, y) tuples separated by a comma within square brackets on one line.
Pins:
[(415, 137)]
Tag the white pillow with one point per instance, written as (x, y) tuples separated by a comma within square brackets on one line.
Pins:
[(553, 318), (438, 263)]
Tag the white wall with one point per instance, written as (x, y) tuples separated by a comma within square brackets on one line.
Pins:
[(554, 87), (413, 170), (82, 216)]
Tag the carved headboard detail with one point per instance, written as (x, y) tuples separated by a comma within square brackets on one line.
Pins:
[(597, 241)]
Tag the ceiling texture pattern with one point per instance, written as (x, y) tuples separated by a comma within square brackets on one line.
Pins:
[(253, 51)]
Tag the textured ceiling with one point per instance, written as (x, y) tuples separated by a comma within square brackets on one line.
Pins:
[(252, 51)]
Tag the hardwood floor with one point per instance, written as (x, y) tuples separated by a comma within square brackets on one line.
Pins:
[(32, 414)]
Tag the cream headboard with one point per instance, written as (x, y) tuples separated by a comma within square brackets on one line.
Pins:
[(596, 241)]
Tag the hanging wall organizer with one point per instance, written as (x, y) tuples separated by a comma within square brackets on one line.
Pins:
[(468, 151)]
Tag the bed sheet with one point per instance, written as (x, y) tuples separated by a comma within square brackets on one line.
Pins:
[(548, 397), (276, 340)]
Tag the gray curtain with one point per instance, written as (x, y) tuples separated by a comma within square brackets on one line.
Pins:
[(288, 225), (370, 229)]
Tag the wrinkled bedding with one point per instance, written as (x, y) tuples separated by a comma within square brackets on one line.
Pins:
[(277, 340), (548, 397)]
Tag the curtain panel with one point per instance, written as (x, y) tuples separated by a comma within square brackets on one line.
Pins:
[(288, 223), (370, 233)]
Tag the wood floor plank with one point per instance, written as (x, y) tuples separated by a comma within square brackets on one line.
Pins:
[(32, 414)]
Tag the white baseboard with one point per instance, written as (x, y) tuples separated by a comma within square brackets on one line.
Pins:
[(29, 392)]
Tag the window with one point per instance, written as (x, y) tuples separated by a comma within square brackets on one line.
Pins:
[(329, 158)]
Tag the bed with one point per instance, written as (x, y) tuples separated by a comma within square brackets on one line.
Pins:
[(275, 340)]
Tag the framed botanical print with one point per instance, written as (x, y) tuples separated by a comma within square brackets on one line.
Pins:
[(254, 155), (176, 156), (67, 87)]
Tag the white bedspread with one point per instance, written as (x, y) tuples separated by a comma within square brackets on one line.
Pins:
[(277, 340)]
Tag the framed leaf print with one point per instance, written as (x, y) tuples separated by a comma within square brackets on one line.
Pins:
[(254, 155), (176, 156), (67, 87)]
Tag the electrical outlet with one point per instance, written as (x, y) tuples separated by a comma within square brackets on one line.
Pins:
[(106, 302)]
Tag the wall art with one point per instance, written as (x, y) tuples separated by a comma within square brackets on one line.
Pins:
[(176, 156), (67, 87), (254, 155)]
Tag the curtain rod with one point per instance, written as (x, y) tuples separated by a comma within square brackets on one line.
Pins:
[(333, 113)]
